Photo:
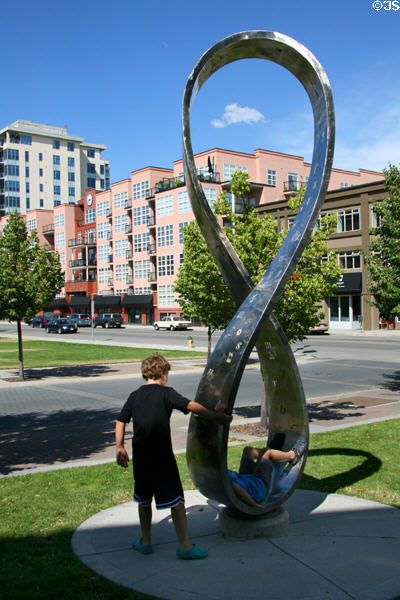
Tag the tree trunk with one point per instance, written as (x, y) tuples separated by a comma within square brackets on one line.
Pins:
[(209, 334), (20, 355)]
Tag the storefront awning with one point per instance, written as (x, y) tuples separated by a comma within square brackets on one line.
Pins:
[(58, 303), (107, 300), (349, 283), (79, 301), (137, 300)]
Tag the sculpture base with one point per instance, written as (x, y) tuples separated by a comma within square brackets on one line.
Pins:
[(273, 524)]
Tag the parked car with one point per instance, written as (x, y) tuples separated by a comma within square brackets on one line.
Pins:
[(108, 320), (172, 323), (39, 321), (319, 327), (81, 319), (61, 326)]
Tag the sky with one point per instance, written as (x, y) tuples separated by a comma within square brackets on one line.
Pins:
[(114, 73)]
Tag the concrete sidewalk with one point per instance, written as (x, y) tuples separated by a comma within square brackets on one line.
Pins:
[(338, 548)]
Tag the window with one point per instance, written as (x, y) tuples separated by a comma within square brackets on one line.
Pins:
[(90, 215), (141, 215), (26, 156), (71, 176), (211, 195), (11, 186), (41, 202), (103, 252), (28, 203), (40, 172), (71, 192), (271, 177), (61, 256), (90, 235), (56, 190), (181, 259), (11, 170), (142, 290), (11, 154), (71, 146), (349, 260), (59, 239), (103, 230), (56, 144), (120, 200), (56, 159), (230, 169), (183, 202), (122, 272), (164, 206), (293, 182), (141, 190), (56, 174), (26, 171), (101, 169), (121, 248), (27, 187), (344, 184), (103, 208), (40, 187), (40, 156), (91, 182), (165, 265), (90, 153), (165, 236), (71, 161), (31, 224), (26, 139), (348, 220), (181, 226), (375, 218), (59, 220), (142, 269), (104, 275), (91, 168), (141, 242), (120, 223), (166, 295)]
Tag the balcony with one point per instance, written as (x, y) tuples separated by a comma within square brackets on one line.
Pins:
[(151, 249), (128, 229), (79, 242), (83, 279), (291, 187), (128, 204), (127, 254), (110, 258), (50, 247), (109, 213), (81, 262), (152, 277), (151, 222), (48, 229), (168, 184), (209, 178)]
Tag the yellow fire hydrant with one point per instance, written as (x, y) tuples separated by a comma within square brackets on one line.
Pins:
[(190, 342)]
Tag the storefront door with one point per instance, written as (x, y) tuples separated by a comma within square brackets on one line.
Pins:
[(345, 312)]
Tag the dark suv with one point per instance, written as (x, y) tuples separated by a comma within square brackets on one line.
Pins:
[(108, 320)]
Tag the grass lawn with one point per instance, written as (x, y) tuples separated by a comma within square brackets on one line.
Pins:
[(39, 512), (58, 354)]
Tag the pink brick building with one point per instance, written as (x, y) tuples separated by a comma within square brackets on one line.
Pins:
[(124, 245)]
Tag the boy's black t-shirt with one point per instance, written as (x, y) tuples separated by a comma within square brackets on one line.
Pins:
[(150, 408)]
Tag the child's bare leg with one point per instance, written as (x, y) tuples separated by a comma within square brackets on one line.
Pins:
[(178, 514), (278, 455), (145, 515)]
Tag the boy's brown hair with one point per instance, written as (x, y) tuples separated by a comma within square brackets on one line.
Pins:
[(155, 366)]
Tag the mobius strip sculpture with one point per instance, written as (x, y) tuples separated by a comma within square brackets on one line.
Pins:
[(254, 323)]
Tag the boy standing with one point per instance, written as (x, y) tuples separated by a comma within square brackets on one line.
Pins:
[(154, 466)]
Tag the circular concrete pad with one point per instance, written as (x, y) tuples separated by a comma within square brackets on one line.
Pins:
[(274, 524), (337, 548)]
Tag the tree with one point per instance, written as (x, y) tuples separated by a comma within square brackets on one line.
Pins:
[(383, 256), (30, 276), (204, 294)]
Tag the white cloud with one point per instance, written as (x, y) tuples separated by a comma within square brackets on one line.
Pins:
[(238, 114)]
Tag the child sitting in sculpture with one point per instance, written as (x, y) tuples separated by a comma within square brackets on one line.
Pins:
[(252, 481)]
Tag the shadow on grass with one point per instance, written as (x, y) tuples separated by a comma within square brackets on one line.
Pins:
[(370, 465), (31, 439)]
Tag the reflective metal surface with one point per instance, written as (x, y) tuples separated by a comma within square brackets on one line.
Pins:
[(254, 323)]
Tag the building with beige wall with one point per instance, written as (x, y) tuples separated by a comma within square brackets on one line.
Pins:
[(42, 166)]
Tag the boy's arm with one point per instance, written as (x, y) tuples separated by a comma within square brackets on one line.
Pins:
[(122, 455), (243, 495), (219, 417)]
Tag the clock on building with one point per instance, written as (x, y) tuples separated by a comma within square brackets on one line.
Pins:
[(89, 199)]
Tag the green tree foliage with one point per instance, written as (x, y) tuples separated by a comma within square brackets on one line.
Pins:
[(383, 257), (204, 294), (30, 275)]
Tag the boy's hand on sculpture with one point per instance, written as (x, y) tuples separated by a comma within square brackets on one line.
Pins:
[(222, 418)]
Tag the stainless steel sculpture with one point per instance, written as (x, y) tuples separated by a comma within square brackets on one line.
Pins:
[(254, 323)]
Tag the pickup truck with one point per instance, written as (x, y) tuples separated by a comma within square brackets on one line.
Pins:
[(172, 323)]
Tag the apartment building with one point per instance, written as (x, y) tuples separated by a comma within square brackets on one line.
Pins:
[(41, 166), (124, 245), (349, 307)]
